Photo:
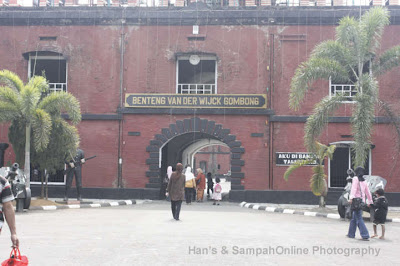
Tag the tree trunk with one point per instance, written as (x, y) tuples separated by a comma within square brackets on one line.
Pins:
[(322, 202), (42, 188), (47, 185), (27, 167)]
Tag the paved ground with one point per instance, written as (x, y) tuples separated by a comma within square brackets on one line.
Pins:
[(207, 235)]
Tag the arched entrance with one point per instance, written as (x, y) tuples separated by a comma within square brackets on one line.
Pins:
[(183, 139)]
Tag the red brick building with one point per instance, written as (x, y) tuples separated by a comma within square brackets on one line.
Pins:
[(158, 85)]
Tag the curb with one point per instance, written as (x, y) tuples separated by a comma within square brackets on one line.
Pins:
[(83, 206), (305, 213)]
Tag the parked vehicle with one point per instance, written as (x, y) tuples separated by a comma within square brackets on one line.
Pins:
[(374, 182), (17, 180)]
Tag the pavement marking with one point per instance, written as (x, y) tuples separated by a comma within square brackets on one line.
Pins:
[(92, 205), (396, 220), (270, 209), (49, 208), (291, 211), (333, 216), (310, 213), (288, 211), (74, 206)]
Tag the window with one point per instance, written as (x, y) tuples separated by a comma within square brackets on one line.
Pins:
[(53, 67), (343, 160), (347, 90), (196, 74)]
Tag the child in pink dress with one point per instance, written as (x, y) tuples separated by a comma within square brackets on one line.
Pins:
[(217, 195)]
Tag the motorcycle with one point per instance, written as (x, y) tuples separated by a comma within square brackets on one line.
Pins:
[(374, 182), (17, 180)]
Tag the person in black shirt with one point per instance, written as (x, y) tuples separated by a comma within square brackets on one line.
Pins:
[(74, 167), (381, 210)]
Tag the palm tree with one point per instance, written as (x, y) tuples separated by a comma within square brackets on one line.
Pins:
[(318, 179), (346, 60), (32, 111)]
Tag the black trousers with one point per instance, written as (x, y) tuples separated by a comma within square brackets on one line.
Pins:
[(176, 208), (188, 194), (77, 171), (210, 188)]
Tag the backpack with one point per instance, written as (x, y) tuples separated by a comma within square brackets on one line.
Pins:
[(218, 188)]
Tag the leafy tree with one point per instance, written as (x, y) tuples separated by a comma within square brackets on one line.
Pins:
[(343, 60), (35, 117), (318, 179)]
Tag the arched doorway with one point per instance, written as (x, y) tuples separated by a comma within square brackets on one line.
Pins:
[(183, 139)]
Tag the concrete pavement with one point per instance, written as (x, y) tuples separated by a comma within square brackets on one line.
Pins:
[(208, 235)]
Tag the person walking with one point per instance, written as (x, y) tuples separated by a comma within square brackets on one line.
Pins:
[(190, 184), (210, 184), (7, 208), (217, 195), (359, 191), (175, 190), (200, 184)]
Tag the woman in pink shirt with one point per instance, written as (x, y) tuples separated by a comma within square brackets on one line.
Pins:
[(359, 189)]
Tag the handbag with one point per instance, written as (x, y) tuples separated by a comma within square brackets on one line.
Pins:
[(15, 259), (358, 203)]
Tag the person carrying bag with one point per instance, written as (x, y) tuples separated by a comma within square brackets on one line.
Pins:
[(359, 190), (15, 259)]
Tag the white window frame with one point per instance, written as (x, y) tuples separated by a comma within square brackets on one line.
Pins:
[(52, 183), (53, 87), (347, 144), (194, 87), (341, 88)]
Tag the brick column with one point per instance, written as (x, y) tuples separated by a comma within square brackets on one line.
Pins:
[(250, 3), (179, 3), (12, 3), (377, 2), (304, 2), (394, 2), (163, 2), (265, 2), (233, 2), (132, 2), (338, 3), (321, 2)]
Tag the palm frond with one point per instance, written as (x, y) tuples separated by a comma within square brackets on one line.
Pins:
[(11, 80), (372, 25), (41, 126), (30, 97), (362, 121), (310, 71), (387, 61), (333, 50), (8, 95), (40, 83), (55, 103), (347, 31), (331, 151), (295, 166), (318, 120), (317, 181)]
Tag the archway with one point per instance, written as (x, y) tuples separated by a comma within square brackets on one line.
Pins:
[(188, 135)]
